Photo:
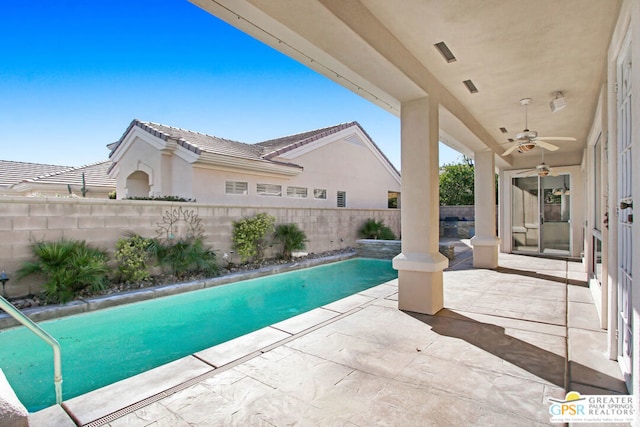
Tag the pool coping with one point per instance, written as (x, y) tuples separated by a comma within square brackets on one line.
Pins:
[(116, 400), (49, 312)]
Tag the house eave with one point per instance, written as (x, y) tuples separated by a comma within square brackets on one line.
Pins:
[(236, 164)]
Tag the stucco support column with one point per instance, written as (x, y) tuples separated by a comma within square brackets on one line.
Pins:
[(420, 265), (485, 243)]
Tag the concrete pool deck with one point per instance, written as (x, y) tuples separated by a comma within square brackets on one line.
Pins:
[(507, 340)]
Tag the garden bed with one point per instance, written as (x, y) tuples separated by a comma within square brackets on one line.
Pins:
[(230, 270)]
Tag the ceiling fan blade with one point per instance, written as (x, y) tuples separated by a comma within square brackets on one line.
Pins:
[(546, 145), (510, 150), (557, 138), (526, 173)]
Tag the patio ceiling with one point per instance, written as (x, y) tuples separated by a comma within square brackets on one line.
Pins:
[(510, 49)]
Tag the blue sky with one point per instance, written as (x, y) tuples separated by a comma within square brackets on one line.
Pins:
[(74, 73)]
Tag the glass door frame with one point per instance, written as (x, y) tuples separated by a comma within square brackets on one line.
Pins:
[(523, 232)]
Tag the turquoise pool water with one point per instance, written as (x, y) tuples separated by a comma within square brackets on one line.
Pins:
[(105, 346)]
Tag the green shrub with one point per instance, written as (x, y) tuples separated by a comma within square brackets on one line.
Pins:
[(185, 256), (249, 233), (290, 237), (373, 229), (132, 255), (68, 267), (386, 234)]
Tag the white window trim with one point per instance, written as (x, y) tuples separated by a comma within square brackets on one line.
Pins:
[(298, 192), (272, 190), (234, 185), (323, 193)]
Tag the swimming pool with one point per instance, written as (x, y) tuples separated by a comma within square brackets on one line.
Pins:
[(105, 346)]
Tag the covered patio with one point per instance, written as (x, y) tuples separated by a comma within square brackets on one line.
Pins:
[(542, 93), (509, 339)]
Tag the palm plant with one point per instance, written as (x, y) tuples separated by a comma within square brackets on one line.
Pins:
[(185, 256), (291, 237), (374, 229), (68, 267)]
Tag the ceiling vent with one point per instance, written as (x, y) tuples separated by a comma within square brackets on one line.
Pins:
[(445, 52), (470, 86), (504, 130)]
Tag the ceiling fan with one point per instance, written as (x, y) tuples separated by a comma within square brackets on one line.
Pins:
[(528, 139), (542, 169)]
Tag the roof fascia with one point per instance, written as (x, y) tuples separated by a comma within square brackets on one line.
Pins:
[(186, 154), (113, 171), (137, 132)]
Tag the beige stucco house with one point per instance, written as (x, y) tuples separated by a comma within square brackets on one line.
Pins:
[(43, 180), (337, 166)]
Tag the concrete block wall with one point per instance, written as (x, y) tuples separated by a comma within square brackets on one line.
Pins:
[(102, 222), (467, 212)]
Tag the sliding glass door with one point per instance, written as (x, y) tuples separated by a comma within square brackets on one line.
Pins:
[(540, 215)]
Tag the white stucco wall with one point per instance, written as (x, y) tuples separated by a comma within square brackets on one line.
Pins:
[(182, 179), (139, 155), (350, 167), (334, 166)]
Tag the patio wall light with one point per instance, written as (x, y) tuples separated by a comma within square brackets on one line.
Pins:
[(4, 279)]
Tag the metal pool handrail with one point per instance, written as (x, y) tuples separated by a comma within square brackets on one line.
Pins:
[(57, 363)]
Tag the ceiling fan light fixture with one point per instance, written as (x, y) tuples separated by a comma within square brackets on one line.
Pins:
[(523, 148), (558, 103)]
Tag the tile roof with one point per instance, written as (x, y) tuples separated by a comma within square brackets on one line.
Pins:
[(13, 172), (275, 147), (196, 141), (263, 151), (95, 175)]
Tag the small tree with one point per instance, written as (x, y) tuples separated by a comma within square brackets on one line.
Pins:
[(291, 237), (249, 233), (132, 255), (456, 184)]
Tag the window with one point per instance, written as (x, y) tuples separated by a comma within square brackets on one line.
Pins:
[(269, 190), (342, 199), (394, 199), (319, 194), (237, 187), (300, 192)]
